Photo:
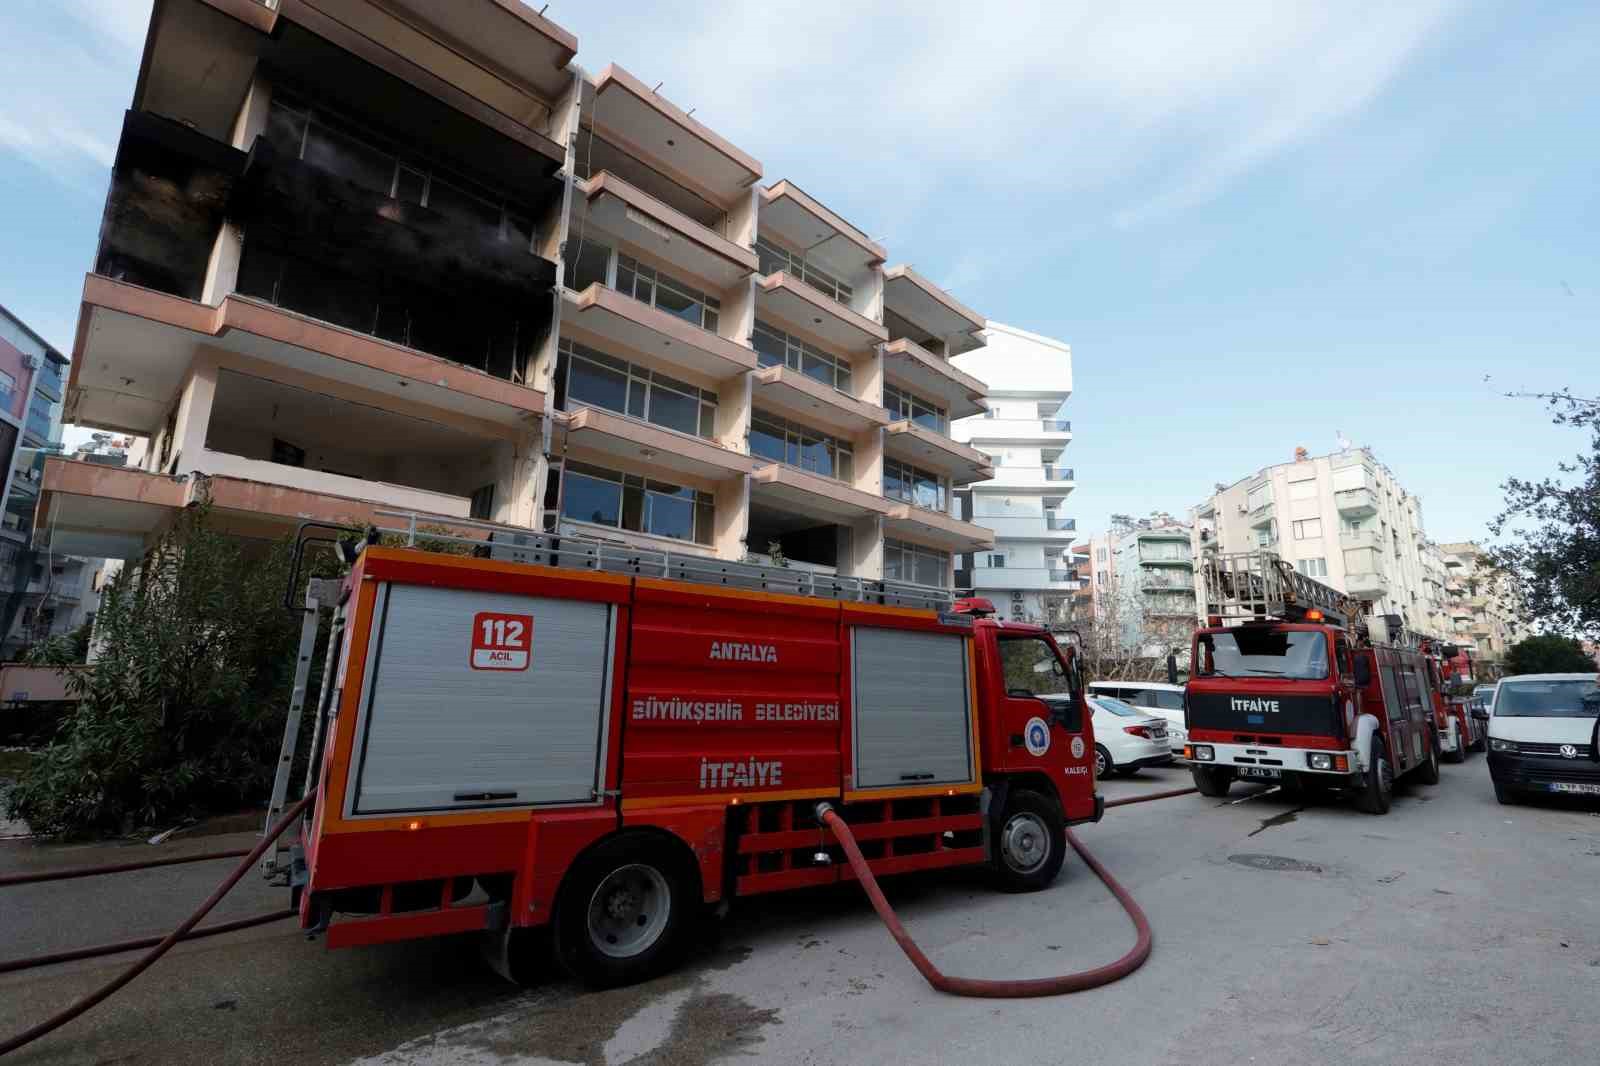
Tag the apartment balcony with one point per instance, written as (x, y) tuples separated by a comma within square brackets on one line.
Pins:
[(608, 435), (621, 325), (788, 488), (1003, 431), (916, 308), (916, 444), (114, 512), (1029, 527), (909, 365), (135, 348), (1183, 561), (786, 391), (512, 36), (1054, 480), (1358, 503), (1263, 514), (1366, 585), (788, 213), (1034, 578), (1155, 582), (1359, 540), (790, 301), (935, 529), (619, 208), (652, 133)]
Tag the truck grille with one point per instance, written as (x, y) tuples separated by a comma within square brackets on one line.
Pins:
[(1551, 749)]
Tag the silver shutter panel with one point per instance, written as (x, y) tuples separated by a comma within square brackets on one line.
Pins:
[(912, 721), (435, 729)]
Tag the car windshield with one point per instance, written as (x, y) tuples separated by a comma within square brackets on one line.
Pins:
[(1117, 707), (1548, 699), (1032, 667), (1251, 651)]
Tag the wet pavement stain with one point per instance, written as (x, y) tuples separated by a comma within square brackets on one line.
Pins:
[(710, 1026), (1277, 819), (1275, 862)]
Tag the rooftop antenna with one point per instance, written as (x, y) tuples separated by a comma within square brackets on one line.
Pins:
[(1344, 442), (659, 84)]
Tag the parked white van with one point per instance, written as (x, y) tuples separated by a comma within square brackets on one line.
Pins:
[(1542, 735), (1157, 698)]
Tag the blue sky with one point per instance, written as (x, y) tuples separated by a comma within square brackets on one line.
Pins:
[(1257, 224)]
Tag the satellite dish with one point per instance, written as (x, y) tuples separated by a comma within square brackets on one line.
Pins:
[(1344, 442)]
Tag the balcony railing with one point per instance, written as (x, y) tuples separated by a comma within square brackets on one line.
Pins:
[(1052, 522), (1058, 473), (1063, 575), (1056, 425)]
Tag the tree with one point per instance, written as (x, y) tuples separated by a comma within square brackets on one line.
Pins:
[(1548, 654), (182, 713), (1553, 556)]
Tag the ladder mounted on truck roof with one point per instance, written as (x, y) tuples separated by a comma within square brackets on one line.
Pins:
[(1259, 586)]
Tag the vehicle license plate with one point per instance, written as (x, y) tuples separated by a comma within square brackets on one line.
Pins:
[(1584, 789), (1259, 771)]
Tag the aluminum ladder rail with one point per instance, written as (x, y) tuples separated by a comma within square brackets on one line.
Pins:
[(1260, 585)]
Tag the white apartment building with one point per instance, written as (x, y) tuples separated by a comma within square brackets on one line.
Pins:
[(1024, 432), (1342, 518), (1474, 593), (425, 262)]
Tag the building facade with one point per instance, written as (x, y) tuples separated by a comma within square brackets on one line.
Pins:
[(1343, 519), (1479, 617), (1029, 573), (362, 257)]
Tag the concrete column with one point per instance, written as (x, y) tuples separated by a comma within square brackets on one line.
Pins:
[(861, 549), (195, 401), (731, 521)]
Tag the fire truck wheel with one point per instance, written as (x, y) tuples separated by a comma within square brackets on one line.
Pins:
[(1031, 843), (1212, 780), (1377, 790), (1460, 752), (1428, 772), (624, 911)]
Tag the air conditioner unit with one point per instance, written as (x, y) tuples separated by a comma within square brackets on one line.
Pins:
[(1244, 508), (30, 361), (1016, 596)]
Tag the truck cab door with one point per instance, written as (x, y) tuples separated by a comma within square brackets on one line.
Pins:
[(1042, 722)]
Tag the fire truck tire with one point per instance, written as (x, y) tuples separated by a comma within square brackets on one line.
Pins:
[(1377, 791), (1460, 752), (626, 911), (1428, 771), (1212, 781), (1032, 842)]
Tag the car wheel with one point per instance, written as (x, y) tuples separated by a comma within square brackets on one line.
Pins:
[(1428, 772), (1031, 844), (1377, 792), (1103, 766), (624, 913), (1212, 780)]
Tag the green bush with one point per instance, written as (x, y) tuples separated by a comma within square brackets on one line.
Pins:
[(182, 713), (1548, 654)]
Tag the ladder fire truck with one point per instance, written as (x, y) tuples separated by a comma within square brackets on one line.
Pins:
[(573, 734), (1288, 684), (1459, 732)]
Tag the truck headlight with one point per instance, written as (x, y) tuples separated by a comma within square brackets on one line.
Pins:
[(1496, 744), (1319, 761), (1199, 752)]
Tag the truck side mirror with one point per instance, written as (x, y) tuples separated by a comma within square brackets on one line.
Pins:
[(1172, 669), (1362, 672)]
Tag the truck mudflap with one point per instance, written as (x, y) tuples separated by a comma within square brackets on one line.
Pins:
[(1099, 812)]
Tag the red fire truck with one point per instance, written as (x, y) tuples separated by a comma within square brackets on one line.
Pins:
[(1459, 732), (570, 734), (1287, 685)]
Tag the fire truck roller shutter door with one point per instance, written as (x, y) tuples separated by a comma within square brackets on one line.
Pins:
[(446, 726), (913, 722)]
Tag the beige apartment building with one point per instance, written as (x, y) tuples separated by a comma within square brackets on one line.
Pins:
[(1478, 615), (1342, 518), (367, 255)]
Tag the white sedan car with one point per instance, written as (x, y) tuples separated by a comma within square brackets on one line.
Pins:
[(1127, 738)]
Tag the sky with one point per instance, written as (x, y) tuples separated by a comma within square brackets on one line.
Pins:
[(1259, 225)]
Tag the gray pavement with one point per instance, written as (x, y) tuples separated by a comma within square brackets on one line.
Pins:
[(1452, 930)]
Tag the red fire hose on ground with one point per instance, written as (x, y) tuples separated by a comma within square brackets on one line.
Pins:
[(182, 932), (1015, 989)]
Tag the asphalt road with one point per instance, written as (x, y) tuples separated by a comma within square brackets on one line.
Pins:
[(1453, 930)]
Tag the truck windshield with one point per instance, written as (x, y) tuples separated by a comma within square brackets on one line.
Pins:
[(1547, 699), (1249, 651), (1032, 667)]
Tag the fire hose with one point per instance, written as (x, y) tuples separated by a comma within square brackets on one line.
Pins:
[(72, 872), (147, 960), (1013, 989)]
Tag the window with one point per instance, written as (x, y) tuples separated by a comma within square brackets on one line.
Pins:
[(634, 503), (774, 347), (286, 454), (1303, 490), (1100, 554), (904, 407), (1266, 534), (482, 507), (1031, 667), (593, 378), (1259, 496), (1250, 651), (997, 561), (8, 389), (665, 293), (772, 258), (1312, 567), (902, 481), (588, 264), (1308, 529), (915, 564), (802, 447)]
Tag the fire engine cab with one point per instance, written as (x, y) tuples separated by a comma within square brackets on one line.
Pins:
[(1288, 685), (554, 732)]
